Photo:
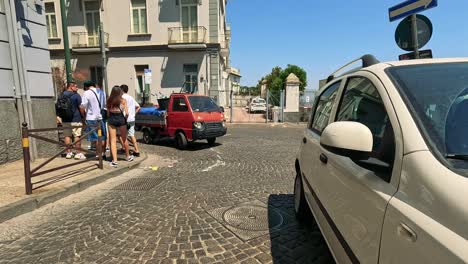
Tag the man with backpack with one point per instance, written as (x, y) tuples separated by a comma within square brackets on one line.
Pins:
[(68, 109)]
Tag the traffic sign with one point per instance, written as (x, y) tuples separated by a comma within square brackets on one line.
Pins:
[(423, 54), (148, 76), (410, 7), (403, 36)]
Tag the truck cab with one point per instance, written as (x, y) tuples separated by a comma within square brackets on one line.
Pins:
[(183, 117)]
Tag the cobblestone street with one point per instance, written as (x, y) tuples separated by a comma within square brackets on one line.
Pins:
[(231, 203)]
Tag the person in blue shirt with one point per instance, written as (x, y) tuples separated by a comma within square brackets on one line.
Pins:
[(71, 128)]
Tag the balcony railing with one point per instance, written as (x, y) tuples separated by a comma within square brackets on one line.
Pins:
[(181, 35), (85, 40)]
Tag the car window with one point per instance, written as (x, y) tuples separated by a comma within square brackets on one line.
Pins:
[(179, 105), (362, 103), (324, 107)]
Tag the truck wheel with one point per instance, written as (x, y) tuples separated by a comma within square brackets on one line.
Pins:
[(211, 141), (147, 138), (301, 208), (181, 141)]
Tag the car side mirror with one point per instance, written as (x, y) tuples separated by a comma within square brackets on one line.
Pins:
[(221, 109), (349, 139)]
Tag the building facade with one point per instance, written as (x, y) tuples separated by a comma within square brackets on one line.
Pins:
[(26, 90), (156, 47)]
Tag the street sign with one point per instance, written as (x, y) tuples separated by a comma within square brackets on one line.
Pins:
[(410, 7), (148, 76), (403, 33), (423, 54)]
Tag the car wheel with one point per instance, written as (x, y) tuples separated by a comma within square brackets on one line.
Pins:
[(181, 141), (147, 138), (301, 209), (211, 141)]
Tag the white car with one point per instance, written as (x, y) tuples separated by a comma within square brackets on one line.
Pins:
[(257, 105), (383, 164)]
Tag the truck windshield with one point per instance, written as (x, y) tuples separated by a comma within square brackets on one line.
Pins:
[(203, 104), (437, 96)]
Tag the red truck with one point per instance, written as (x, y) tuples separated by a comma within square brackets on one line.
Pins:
[(183, 117)]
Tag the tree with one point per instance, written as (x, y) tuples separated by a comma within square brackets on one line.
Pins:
[(299, 72), (276, 81)]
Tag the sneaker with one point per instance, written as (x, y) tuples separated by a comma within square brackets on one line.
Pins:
[(107, 148), (113, 164), (80, 156), (136, 154), (104, 157), (69, 155), (130, 158)]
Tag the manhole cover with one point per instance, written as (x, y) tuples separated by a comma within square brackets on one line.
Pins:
[(252, 218), (139, 184)]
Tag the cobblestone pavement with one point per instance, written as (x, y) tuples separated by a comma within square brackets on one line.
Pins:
[(228, 204)]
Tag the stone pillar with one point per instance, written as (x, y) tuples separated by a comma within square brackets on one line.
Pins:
[(292, 94), (263, 89)]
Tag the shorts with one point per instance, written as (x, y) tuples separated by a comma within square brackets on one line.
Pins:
[(131, 129), (68, 131), (116, 120), (94, 136)]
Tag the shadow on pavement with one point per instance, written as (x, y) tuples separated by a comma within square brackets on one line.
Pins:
[(292, 241), (192, 146)]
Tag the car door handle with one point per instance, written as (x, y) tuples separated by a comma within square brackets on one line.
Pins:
[(304, 140), (323, 158), (407, 232)]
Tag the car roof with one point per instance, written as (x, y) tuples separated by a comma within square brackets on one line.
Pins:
[(380, 66), (422, 61)]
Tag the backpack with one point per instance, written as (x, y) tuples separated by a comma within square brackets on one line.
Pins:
[(64, 107)]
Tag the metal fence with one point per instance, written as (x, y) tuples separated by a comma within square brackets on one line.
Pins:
[(29, 173)]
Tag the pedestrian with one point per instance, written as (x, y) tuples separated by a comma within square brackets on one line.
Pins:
[(133, 109), (103, 98), (117, 120), (72, 121), (91, 107)]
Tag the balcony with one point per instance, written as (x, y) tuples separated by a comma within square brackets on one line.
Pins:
[(85, 42), (187, 38)]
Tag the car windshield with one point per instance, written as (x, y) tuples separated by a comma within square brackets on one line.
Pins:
[(437, 94), (203, 104)]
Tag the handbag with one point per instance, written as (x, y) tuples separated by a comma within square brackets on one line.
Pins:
[(103, 111), (126, 123)]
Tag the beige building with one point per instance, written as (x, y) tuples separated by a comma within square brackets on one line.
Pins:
[(184, 44)]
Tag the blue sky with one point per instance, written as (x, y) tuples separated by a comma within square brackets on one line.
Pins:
[(322, 35)]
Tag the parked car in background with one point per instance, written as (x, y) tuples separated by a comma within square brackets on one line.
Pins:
[(183, 117), (383, 164), (257, 104)]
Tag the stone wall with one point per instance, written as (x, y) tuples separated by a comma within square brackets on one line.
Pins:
[(44, 117), (10, 135)]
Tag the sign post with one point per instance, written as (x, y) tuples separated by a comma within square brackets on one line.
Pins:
[(409, 9), (414, 31)]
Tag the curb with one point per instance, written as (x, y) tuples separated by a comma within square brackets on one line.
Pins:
[(30, 204)]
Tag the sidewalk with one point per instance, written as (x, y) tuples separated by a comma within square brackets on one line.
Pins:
[(13, 198)]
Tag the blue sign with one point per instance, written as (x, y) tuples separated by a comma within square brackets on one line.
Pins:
[(410, 7)]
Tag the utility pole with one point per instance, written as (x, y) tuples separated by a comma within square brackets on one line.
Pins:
[(102, 44), (414, 32), (66, 43)]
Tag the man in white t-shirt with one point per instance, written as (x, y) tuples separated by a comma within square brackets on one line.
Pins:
[(133, 108), (91, 107)]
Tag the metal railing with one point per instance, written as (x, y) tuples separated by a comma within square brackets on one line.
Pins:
[(29, 173), (181, 35), (86, 40)]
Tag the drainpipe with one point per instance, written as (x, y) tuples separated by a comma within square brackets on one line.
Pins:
[(21, 70)]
